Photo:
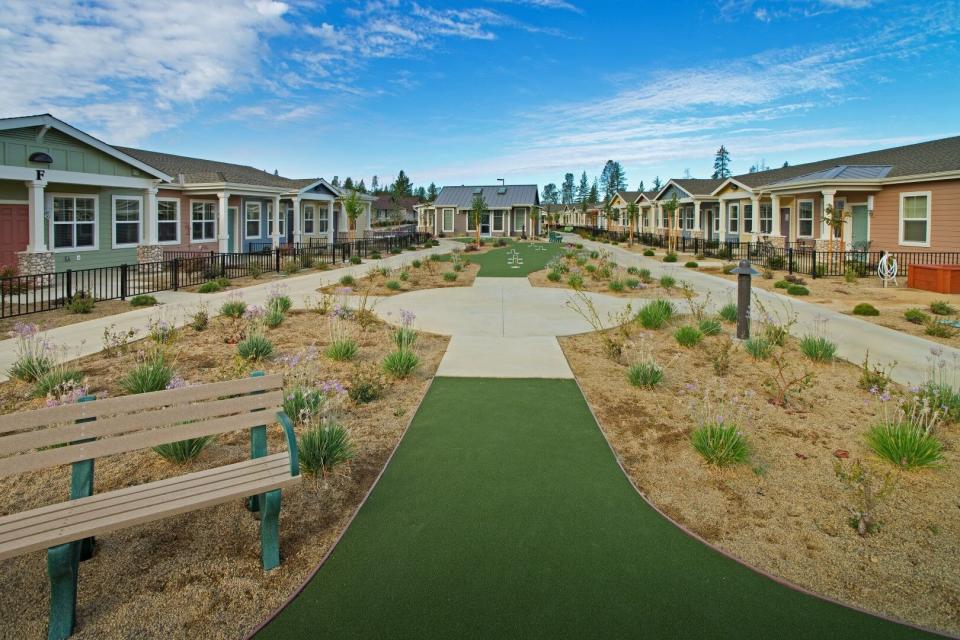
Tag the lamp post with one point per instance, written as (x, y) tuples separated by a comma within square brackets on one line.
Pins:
[(744, 274)]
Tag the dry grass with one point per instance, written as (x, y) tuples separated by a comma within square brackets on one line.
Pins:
[(429, 275), (596, 282), (784, 512), (63, 317), (198, 575)]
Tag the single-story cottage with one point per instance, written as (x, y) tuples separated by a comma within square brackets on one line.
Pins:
[(512, 210)]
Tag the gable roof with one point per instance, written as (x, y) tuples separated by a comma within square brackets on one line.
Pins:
[(496, 196), (386, 202), (200, 171), (933, 156), (47, 120), (629, 196)]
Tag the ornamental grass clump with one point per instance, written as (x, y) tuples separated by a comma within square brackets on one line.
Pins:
[(324, 446), (710, 327), (450, 276), (403, 361), (688, 336), (818, 348), (54, 382), (645, 374), (35, 355), (183, 451), (668, 282), (728, 312), (575, 280), (233, 308), (306, 405), (143, 301), (942, 385), (255, 346), (81, 302), (865, 309), (718, 435), (151, 374), (942, 308), (393, 285), (655, 314), (915, 316), (905, 431), (758, 347), (342, 345), (616, 285), (670, 257)]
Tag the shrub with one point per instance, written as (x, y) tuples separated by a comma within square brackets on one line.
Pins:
[(818, 348), (575, 280), (710, 327), (183, 451), (154, 374), (728, 312), (416, 264), (234, 308), (781, 284), (728, 268), (655, 313), (794, 279), (875, 378), (720, 356), (254, 270), (668, 282), (280, 302), (670, 257), (435, 257), (759, 348), (376, 255), (720, 444), (401, 363), (393, 285), (54, 381), (322, 447), (916, 316), (632, 283), (775, 262), (939, 329), (649, 252), (81, 302), (210, 286), (616, 285), (303, 404), (348, 280), (342, 350), (644, 275), (450, 276), (767, 274), (458, 267), (905, 445), (200, 319), (798, 290), (355, 260), (143, 301), (692, 265), (273, 318), (594, 254), (590, 268), (865, 309), (404, 337), (365, 385), (404, 276), (395, 251), (688, 336), (290, 267), (256, 346), (554, 276), (645, 374), (942, 308), (634, 271), (861, 481)]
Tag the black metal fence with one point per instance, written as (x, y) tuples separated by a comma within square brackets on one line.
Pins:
[(21, 295), (793, 258)]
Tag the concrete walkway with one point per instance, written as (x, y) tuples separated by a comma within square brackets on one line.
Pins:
[(854, 337), (500, 327), (84, 338)]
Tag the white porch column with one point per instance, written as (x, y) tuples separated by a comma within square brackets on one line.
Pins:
[(223, 230), (369, 216), (331, 227), (775, 212), (754, 216), (297, 215), (35, 205), (697, 225), (276, 222), (723, 220), (150, 216), (827, 202)]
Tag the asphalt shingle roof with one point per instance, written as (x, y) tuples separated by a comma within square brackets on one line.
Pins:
[(629, 196), (385, 202), (697, 186), (197, 170), (516, 195)]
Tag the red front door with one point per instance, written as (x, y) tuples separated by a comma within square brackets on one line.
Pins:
[(14, 232)]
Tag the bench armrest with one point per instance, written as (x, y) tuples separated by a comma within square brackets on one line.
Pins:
[(287, 425)]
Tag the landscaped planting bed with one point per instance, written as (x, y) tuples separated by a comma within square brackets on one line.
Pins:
[(64, 316), (786, 501), (199, 575), (597, 272), (452, 270)]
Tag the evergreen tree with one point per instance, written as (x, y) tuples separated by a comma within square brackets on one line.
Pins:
[(583, 191), (721, 164), (657, 185), (594, 192), (336, 181), (432, 192), (568, 194), (550, 194), (421, 194), (348, 183), (785, 164), (362, 188), (375, 185), (606, 180), (640, 188), (402, 185)]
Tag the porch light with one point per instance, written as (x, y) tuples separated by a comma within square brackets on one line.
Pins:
[(41, 157)]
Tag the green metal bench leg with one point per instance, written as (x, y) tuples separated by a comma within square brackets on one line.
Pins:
[(270, 529), (63, 566)]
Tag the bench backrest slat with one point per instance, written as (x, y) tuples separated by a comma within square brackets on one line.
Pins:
[(138, 422), (26, 420)]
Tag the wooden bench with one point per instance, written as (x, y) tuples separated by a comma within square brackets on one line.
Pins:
[(78, 434)]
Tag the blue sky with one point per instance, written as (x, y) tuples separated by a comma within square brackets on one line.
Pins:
[(467, 92)]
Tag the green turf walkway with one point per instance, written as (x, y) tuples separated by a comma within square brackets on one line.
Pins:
[(504, 515), (495, 263)]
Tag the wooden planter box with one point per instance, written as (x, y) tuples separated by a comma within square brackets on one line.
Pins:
[(943, 278)]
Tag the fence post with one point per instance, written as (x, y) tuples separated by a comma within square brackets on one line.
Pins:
[(813, 268), (790, 260), (276, 260), (175, 273), (223, 265), (70, 284), (123, 281)]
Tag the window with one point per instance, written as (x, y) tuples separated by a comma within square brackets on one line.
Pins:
[(733, 211), (766, 219), (805, 219), (168, 220), (74, 222), (716, 221), (915, 218), (470, 226), (251, 220), (748, 218), (838, 206), (203, 221), (126, 220), (324, 221), (498, 220), (280, 221), (308, 218), (518, 221), (689, 222), (448, 220)]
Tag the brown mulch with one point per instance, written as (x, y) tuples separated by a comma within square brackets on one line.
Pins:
[(429, 275), (785, 511), (198, 575), (63, 317)]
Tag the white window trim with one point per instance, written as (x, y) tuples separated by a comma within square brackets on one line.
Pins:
[(733, 220), (493, 220), (176, 201), (743, 222), (443, 219), (760, 220), (313, 219), (813, 219), (907, 194), (96, 221), (216, 222), (246, 207), (323, 220), (113, 221)]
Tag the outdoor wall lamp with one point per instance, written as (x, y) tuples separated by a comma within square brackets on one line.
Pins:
[(41, 157)]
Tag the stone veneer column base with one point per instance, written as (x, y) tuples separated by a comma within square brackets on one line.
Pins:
[(696, 234), (30, 263), (149, 253), (778, 242)]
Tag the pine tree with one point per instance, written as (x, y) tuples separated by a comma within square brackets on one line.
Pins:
[(657, 185), (421, 194), (606, 179), (594, 192), (583, 191), (550, 194), (640, 188), (568, 194), (336, 181), (402, 185), (721, 164), (362, 188), (348, 183), (785, 164), (375, 185), (432, 192)]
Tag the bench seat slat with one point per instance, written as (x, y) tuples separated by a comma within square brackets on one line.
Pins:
[(24, 420), (75, 522), (66, 433)]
